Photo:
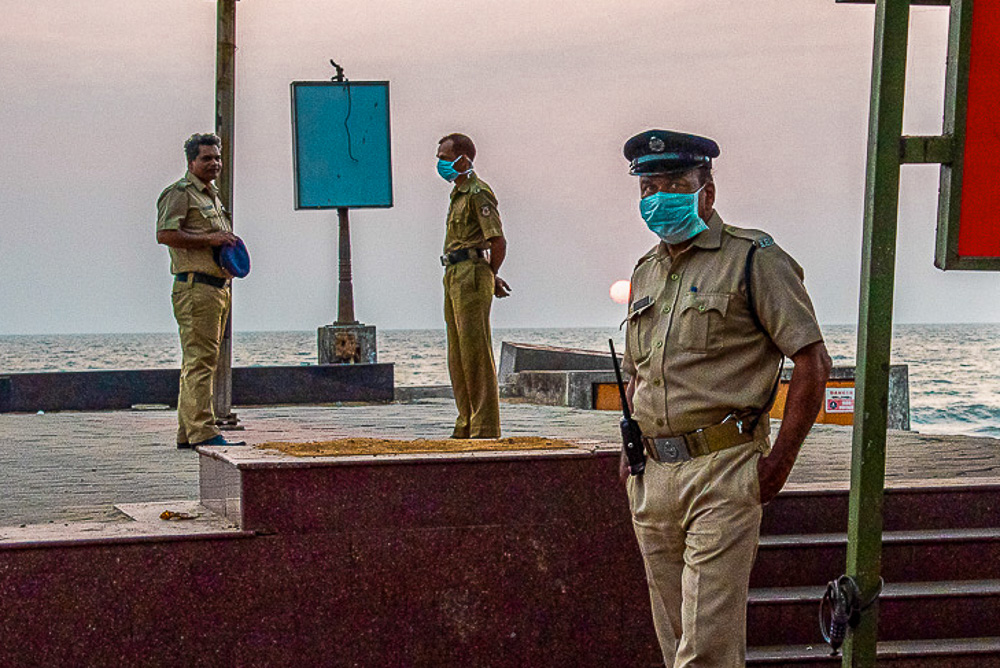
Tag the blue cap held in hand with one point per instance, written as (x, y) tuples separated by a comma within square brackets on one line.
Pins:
[(234, 258)]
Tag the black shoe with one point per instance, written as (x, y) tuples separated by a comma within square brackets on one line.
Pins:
[(218, 440), (184, 446)]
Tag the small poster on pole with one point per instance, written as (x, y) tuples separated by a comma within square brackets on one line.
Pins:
[(839, 400)]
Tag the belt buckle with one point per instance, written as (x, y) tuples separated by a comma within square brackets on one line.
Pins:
[(672, 450)]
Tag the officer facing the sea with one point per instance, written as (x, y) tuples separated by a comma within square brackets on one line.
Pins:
[(192, 222), (713, 308), (474, 249)]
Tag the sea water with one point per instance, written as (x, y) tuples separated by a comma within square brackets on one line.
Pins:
[(954, 369)]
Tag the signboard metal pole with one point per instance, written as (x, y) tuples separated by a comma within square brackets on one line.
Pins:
[(345, 301), (878, 264), (225, 114)]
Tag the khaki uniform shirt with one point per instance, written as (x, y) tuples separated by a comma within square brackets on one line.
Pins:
[(193, 206), (691, 343), (472, 216)]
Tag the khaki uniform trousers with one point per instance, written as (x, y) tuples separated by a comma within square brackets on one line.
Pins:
[(698, 523), (468, 296), (201, 312)]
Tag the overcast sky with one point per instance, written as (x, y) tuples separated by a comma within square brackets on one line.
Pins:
[(99, 96)]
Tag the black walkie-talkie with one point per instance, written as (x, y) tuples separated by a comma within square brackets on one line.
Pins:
[(631, 434)]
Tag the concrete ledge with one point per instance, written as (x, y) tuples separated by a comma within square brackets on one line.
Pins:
[(144, 526), (562, 388), (252, 386), (270, 492), (518, 357), (406, 393)]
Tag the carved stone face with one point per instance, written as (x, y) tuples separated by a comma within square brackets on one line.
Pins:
[(345, 347)]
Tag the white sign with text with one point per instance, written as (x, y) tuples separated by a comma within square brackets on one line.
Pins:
[(840, 400)]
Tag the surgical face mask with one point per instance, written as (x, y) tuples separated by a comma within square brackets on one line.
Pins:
[(447, 169), (672, 216)]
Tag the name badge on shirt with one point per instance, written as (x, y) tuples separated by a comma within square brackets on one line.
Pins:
[(639, 304)]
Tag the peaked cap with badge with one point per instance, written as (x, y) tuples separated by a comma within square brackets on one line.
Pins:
[(663, 151)]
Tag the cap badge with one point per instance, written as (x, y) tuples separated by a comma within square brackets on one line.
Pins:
[(656, 145)]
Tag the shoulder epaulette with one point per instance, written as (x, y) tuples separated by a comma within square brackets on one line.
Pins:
[(646, 258), (182, 184), (756, 237), (480, 189)]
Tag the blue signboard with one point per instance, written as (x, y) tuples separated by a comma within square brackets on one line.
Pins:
[(340, 143)]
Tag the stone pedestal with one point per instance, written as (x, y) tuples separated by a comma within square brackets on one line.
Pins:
[(347, 344)]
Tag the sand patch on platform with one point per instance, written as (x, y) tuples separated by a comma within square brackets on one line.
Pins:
[(384, 446)]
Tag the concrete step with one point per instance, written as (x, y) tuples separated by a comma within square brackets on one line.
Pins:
[(907, 556), (907, 611), (962, 653), (918, 506)]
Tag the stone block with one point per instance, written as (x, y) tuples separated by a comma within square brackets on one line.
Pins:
[(347, 344)]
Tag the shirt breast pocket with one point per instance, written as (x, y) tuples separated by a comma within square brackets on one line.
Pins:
[(211, 214), (200, 218), (702, 321), (639, 334)]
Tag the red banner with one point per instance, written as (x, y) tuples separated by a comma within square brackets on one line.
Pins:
[(979, 226)]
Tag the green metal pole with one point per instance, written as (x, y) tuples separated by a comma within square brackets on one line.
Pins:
[(225, 114), (885, 129)]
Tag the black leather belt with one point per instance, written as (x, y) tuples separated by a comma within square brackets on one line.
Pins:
[(461, 255), (197, 277)]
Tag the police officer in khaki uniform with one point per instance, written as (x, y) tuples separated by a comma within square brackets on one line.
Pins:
[(192, 222), (474, 249), (713, 309)]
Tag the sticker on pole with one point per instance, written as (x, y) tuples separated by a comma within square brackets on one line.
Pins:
[(840, 400)]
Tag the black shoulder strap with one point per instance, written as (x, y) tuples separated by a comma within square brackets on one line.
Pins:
[(748, 282), (752, 306)]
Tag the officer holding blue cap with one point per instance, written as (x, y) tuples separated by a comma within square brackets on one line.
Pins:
[(713, 311), (193, 224)]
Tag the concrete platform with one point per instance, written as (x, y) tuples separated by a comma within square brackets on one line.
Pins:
[(460, 559), (73, 466)]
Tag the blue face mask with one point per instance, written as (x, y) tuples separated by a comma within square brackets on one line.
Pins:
[(672, 216), (447, 169)]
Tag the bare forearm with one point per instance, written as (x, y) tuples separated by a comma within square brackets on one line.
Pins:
[(498, 252), (184, 239), (805, 397)]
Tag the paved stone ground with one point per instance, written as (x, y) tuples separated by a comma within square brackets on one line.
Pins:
[(72, 466)]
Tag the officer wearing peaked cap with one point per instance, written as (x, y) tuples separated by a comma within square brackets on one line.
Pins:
[(713, 310)]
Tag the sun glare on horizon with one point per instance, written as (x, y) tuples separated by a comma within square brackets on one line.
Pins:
[(620, 291)]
